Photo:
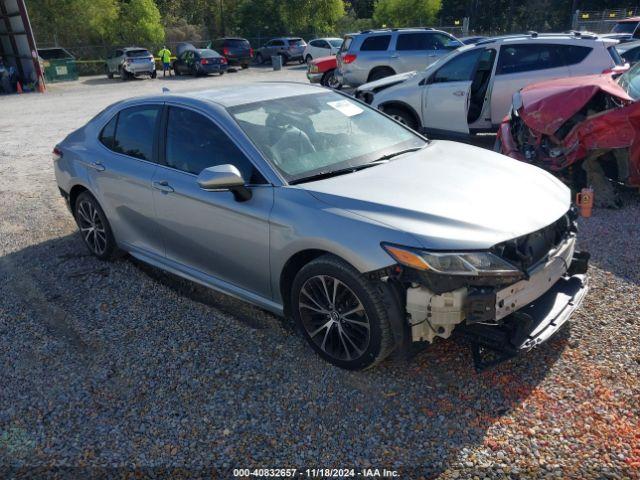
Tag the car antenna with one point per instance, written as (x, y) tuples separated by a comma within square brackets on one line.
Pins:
[(165, 90)]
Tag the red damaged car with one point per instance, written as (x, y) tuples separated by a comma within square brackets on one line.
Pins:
[(322, 70), (586, 130)]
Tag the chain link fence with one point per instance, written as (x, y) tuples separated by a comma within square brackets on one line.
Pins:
[(600, 21)]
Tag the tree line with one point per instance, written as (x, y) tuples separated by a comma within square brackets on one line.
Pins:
[(151, 22)]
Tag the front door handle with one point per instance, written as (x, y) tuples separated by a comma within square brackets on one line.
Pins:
[(459, 93), (97, 166), (163, 186)]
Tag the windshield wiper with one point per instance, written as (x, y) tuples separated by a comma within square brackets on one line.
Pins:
[(341, 171), (399, 152)]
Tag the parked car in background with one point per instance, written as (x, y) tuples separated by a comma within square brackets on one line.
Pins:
[(311, 205), (323, 71), (130, 62), (200, 61), (629, 51), (586, 130), (374, 54), (321, 47), (289, 48), (624, 30), (470, 90), (237, 51)]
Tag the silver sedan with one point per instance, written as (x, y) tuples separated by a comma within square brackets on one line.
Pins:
[(315, 206)]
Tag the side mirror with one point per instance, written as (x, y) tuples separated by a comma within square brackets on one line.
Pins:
[(224, 177)]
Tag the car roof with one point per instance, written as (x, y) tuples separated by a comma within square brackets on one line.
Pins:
[(534, 37), (126, 49), (240, 94), (375, 31), (628, 20), (623, 47)]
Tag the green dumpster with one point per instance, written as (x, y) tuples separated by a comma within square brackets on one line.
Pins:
[(58, 64)]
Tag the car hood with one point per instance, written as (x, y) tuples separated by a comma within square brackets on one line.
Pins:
[(546, 106), (387, 82), (450, 196), (325, 63)]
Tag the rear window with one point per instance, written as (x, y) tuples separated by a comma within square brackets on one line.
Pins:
[(617, 59), (206, 53), (624, 27), (138, 53), (376, 43), (296, 42), (236, 43), (573, 54)]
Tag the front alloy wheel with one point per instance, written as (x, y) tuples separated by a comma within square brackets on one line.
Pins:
[(341, 313)]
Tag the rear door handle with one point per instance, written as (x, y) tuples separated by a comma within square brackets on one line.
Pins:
[(459, 93), (97, 166), (163, 186)]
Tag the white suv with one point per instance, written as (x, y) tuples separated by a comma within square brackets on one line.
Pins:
[(470, 90)]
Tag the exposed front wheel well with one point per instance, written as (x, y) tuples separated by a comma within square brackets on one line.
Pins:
[(403, 113), (291, 268)]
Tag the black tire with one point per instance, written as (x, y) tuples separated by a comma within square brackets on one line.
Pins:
[(221, 72), (346, 342), (245, 66), (329, 80), (154, 74), (308, 59), (176, 71), (259, 59), (109, 73), (379, 73), (92, 220), (124, 76), (403, 116)]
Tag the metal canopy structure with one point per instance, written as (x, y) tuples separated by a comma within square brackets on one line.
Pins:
[(17, 43)]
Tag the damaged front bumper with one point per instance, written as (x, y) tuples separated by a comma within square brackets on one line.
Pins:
[(508, 319)]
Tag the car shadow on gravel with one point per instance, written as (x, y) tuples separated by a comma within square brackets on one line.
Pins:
[(113, 337)]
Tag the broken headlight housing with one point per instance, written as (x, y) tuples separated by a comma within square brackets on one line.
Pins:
[(470, 264)]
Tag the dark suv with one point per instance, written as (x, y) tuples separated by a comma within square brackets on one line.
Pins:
[(237, 51), (289, 48)]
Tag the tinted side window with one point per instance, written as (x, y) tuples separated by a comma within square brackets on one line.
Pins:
[(376, 43), (135, 131), (573, 54), (278, 43), (458, 69), (525, 58), (108, 134), (439, 41), (632, 54), (413, 41), (194, 143)]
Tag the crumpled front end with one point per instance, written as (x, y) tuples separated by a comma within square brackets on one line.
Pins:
[(596, 143)]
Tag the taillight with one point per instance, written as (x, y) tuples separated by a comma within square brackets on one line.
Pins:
[(348, 58), (251, 52), (57, 153), (225, 51), (203, 61), (223, 60)]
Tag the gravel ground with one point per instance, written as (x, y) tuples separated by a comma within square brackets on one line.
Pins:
[(119, 365)]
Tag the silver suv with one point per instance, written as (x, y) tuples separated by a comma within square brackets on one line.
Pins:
[(130, 62), (289, 48), (374, 54)]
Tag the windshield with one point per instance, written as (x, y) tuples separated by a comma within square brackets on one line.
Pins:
[(630, 82), (624, 27), (138, 53), (318, 133), (335, 42)]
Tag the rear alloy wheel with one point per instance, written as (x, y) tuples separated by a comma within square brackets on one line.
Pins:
[(330, 80), (308, 59), (341, 314), (402, 116), (94, 227)]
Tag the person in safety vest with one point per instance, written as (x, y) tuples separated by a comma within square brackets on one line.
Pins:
[(165, 58)]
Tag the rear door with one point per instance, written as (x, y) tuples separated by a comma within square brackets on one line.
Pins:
[(418, 50), (211, 233), (447, 93), (519, 65), (123, 174)]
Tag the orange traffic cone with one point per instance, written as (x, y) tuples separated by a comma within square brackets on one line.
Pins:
[(19, 88)]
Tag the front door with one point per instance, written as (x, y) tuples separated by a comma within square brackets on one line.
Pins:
[(446, 96), (208, 232)]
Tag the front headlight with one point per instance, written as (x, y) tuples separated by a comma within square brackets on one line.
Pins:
[(452, 263), (313, 68)]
